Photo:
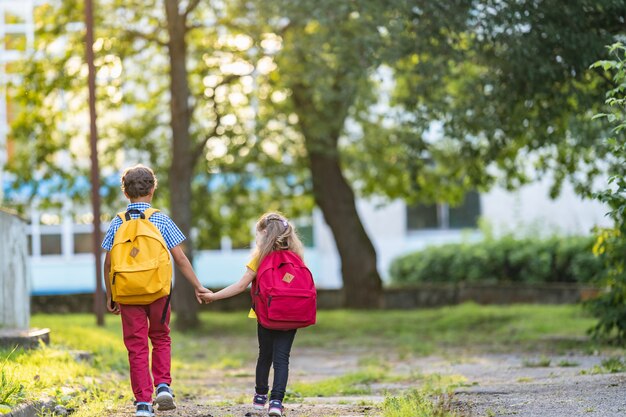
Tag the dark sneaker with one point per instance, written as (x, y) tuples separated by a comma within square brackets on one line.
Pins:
[(144, 410), (276, 408), (259, 401), (164, 398)]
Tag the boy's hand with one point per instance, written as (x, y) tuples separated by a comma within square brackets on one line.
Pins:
[(112, 306), (201, 293), (207, 297)]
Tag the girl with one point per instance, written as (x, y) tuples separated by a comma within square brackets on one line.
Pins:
[(273, 233)]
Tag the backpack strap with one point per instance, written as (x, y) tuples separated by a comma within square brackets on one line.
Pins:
[(167, 304), (125, 215), (121, 215), (149, 212)]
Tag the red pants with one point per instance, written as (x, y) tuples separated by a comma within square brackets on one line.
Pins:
[(140, 323)]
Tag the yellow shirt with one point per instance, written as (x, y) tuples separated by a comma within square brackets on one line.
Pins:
[(253, 265)]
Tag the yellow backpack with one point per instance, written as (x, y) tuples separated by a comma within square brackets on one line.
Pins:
[(141, 269)]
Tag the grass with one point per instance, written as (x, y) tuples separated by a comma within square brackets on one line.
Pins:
[(417, 404), (355, 383), (226, 344), (359, 383), (423, 332), (11, 390), (52, 372), (542, 362), (564, 363), (608, 366)]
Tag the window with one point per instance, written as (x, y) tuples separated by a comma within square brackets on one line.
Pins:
[(306, 235), (444, 216), (83, 243), (466, 215), (15, 42), (51, 244), (422, 216)]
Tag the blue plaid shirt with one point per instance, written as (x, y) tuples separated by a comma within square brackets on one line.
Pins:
[(170, 232)]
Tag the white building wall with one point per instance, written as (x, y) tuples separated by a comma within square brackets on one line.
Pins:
[(530, 210), (527, 211)]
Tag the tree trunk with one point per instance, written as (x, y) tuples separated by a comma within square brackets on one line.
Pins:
[(362, 287), (181, 169)]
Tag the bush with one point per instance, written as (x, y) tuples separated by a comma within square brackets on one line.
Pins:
[(566, 259), (610, 306)]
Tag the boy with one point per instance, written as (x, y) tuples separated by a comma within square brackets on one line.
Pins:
[(140, 322)]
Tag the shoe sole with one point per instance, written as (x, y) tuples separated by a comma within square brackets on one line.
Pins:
[(258, 407), (275, 413), (165, 402)]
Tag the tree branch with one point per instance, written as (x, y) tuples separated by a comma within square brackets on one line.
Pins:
[(189, 28), (610, 81), (191, 7), (135, 34)]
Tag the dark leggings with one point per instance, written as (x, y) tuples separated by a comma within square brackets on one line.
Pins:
[(274, 348)]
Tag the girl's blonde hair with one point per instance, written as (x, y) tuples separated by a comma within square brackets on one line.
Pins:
[(276, 233)]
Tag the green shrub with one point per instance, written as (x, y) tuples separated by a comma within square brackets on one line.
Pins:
[(528, 260), (610, 306)]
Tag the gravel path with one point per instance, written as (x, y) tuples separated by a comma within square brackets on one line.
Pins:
[(507, 386), (496, 385)]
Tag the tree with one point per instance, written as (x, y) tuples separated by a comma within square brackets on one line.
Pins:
[(506, 98), (610, 306), (328, 53), (185, 151)]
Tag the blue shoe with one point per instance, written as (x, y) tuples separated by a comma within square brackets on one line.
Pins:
[(144, 410), (276, 408), (164, 398), (259, 401)]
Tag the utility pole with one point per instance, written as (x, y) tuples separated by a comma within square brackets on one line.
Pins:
[(98, 301)]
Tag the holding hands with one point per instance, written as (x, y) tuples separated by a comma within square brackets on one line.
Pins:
[(201, 293), (207, 297)]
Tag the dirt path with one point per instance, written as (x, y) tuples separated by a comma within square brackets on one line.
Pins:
[(494, 385)]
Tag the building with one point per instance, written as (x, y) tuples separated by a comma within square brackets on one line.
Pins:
[(62, 261), (17, 31)]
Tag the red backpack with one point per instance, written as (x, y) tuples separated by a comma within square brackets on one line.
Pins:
[(283, 292)]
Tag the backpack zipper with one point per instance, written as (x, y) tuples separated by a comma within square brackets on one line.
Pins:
[(269, 301), (113, 280)]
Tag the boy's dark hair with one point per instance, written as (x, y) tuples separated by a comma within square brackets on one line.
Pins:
[(138, 181)]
